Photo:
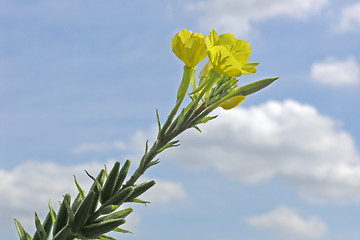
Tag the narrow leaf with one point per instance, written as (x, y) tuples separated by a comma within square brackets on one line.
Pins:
[(40, 231), (109, 209), (116, 215), (140, 189), (95, 187), (137, 200), (75, 205), (158, 120), (122, 230), (21, 231), (63, 233), (81, 192), (97, 229), (197, 128), (83, 212), (62, 216), (206, 119), (103, 237), (122, 175), (109, 185), (70, 213)]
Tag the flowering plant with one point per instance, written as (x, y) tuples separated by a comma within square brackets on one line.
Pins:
[(91, 215)]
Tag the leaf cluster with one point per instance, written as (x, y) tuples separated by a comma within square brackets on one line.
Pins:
[(92, 215)]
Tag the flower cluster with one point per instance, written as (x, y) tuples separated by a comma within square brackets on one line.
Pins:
[(227, 59)]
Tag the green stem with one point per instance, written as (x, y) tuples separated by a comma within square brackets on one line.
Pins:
[(189, 73)]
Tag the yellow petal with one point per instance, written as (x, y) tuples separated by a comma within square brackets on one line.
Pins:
[(189, 47), (241, 51), (212, 40), (233, 102), (249, 68), (205, 70), (224, 62)]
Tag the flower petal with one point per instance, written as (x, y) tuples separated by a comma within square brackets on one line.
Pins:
[(233, 102)]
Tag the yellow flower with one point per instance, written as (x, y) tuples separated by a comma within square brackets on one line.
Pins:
[(189, 47), (233, 102), (228, 55)]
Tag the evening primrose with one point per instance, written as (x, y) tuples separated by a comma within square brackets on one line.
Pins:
[(189, 47), (228, 55)]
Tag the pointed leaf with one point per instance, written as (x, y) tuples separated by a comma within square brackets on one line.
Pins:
[(83, 212), (197, 128), (206, 119), (158, 120), (21, 231), (116, 215), (109, 209), (52, 213), (97, 229), (109, 185), (103, 237), (63, 233), (81, 192), (137, 200), (62, 216), (122, 175), (40, 231), (122, 230), (78, 200), (140, 189)]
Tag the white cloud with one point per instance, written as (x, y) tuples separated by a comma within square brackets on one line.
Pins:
[(350, 18), (335, 73), (99, 147), (28, 188), (287, 221), (286, 140), (239, 16)]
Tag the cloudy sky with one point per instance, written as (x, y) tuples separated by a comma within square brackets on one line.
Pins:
[(80, 82)]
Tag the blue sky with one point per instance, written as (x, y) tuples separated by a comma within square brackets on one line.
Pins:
[(80, 82)]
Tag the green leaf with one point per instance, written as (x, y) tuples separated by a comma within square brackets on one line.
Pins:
[(253, 87), (83, 212), (62, 216), (197, 128), (206, 119), (81, 192), (109, 209), (169, 145), (103, 237), (109, 185), (137, 200), (158, 120), (116, 215), (39, 228), (21, 231), (120, 197), (152, 163), (117, 199), (63, 233), (97, 229), (70, 214), (52, 213), (122, 175), (78, 200), (98, 182), (122, 230), (140, 189)]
